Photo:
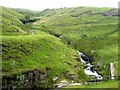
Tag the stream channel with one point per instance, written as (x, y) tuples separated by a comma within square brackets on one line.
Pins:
[(87, 62)]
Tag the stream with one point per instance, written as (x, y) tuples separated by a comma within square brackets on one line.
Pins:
[(87, 69), (87, 62)]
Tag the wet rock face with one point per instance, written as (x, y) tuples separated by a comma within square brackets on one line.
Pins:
[(85, 57), (24, 80)]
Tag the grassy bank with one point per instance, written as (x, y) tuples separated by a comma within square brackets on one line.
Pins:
[(106, 84)]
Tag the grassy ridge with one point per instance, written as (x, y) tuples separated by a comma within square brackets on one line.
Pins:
[(11, 25), (22, 53), (39, 48)]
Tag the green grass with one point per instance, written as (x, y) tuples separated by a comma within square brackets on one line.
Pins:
[(80, 28), (38, 51), (11, 25), (85, 32), (106, 84), (41, 48)]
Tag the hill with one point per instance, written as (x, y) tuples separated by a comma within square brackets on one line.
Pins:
[(91, 30), (31, 13), (34, 60), (40, 51), (11, 25), (44, 52)]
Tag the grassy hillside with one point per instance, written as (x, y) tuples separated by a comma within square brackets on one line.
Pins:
[(51, 50), (91, 30), (44, 52), (11, 25), (31, 52), (31, 13), (108, 84), (23, 53)]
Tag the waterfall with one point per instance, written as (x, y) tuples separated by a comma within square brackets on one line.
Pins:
[(88, 70)]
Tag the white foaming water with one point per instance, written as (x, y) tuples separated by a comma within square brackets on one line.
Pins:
[(88, 69), (83, 61)]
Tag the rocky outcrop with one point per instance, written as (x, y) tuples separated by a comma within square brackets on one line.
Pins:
[(61, 84), (24, 80), (112, 12)]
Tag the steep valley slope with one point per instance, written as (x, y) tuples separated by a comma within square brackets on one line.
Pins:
[(39, 48), (34, 60)]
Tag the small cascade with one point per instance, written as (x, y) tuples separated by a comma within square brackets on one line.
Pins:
[(86, 60)]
